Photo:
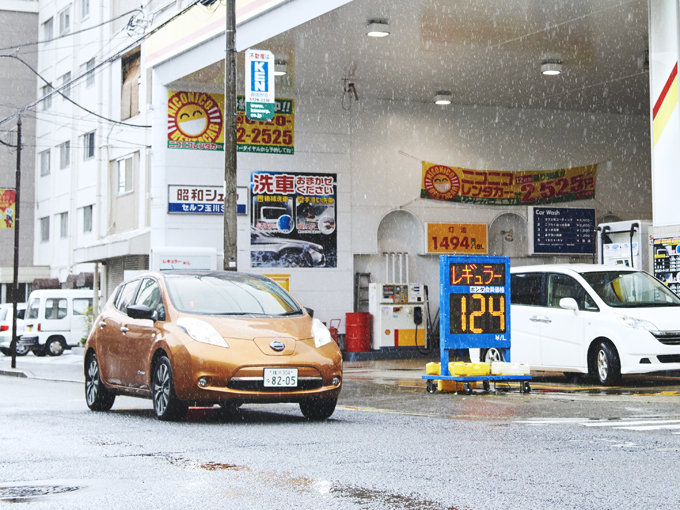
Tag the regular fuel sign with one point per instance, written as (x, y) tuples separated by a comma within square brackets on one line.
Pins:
[(259, 85)]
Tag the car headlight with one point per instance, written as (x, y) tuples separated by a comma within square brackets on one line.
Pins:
[(201, 331), (321, 334), (634, 323)]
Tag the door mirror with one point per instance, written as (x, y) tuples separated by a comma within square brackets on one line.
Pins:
[(310, 312), (569, 303), (141, 312)]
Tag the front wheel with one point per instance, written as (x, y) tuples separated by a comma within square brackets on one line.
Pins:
[(490, 355), (318, 408), (96, 396), (165, 403), (605, 364)]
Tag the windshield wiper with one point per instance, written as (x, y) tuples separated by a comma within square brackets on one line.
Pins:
[(230, 313), (292, 312)]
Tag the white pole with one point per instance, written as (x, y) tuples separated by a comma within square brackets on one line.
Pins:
[(394, 267), (407, 279), (387, 267), (401, 267)]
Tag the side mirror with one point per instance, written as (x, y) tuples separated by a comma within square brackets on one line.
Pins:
[(141, 312), (310, 312), (569, 303)]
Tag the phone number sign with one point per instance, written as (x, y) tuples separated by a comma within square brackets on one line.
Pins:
[(273, 137), (457, 238)]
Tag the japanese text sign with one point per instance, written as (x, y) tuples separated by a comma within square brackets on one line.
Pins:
[(195, 121), (277, 137), (259, 84), (196, 199), (456, 238)]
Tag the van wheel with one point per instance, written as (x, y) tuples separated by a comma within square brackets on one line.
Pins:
[(605, 365), (54, 347)]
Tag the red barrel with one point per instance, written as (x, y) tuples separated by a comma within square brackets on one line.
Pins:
[(357, 332)]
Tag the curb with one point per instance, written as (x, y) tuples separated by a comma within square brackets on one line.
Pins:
[(14, 373)]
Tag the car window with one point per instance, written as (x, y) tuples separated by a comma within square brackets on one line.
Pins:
[(150, 295), (21, 313), (33, 308), (55, 308), (562, 285), (3, 314), (630, 289), (127, 295), (80, 306), (527, 289)]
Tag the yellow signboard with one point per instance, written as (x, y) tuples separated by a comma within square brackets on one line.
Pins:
[(274, 137), (7, 208), (456, 238), (195, 121)]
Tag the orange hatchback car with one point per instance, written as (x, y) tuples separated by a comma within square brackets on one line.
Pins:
[(203, 338)]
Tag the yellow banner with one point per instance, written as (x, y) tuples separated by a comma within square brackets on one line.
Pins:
[(489, 187), (195, 121), (7, 208), (274, 137), (456, 238)]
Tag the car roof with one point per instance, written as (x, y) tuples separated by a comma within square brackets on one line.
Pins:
[(577, 268), (199, 272)]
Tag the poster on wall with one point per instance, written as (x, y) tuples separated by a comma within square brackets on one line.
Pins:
[(7, 208), (195, 121), (456, 238), (293, 219), (667, 262), (561, 230), (488, 187), (274, 137)]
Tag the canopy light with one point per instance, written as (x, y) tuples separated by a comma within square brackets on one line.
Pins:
[(280, 68), (551, 68), (443, 97), (377, 29)]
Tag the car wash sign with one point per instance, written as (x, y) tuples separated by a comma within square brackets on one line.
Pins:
[(259, 85)]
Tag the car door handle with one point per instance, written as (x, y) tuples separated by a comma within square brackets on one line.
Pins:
[(124, 329), (540, 319), (102, 324)]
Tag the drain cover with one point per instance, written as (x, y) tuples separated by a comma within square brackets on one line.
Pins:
[(33, 491)]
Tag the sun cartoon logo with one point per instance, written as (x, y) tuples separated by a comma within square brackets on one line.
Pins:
[(194, 117), (441, 182)]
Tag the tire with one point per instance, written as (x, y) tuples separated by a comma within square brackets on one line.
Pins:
[(165, 402), (431, 386), (96, 396), (489, 355), (22, 351), (605, 366), (54, 347), (5, 351), (318, 408), (40, 351)]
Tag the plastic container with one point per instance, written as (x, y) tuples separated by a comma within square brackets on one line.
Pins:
[(503, 368), (358, 332), (459, 369)]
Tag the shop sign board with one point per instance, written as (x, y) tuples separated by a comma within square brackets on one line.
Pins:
[(667, 262), (456, 238), (259, 85), (293, 219), (195, 121), (277, 137), (7, 208), (489, 187), (561, 230), (196, 199)]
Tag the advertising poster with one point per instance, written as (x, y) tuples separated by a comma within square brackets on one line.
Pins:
[(7, 208), (456, 238), (293, 219), (195, 121), (562, 230), (488, 187), (273, 137)]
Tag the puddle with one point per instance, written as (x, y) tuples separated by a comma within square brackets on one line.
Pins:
[(24, 493)]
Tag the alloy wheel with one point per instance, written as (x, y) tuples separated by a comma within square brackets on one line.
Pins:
[(161, 389), (92, 381), (602, 365)]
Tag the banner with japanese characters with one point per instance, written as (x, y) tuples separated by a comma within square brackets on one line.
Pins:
[(7, 208), (195, 121), (489, 187), (274, 137), (293, 219), (196, 199)]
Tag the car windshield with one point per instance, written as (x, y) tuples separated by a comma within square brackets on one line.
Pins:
[(630, 289), (229, 295)]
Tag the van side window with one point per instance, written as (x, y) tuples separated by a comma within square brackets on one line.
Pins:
[(150, 295), (80, 306), (55, 308), (33, 309), (562, 285), (527, 289), (127, 295)]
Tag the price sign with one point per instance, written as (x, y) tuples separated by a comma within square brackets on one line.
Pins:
[(456, 238), (475, 302)]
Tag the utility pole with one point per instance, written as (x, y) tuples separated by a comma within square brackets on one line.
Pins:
[(230, 251), (17, 196)]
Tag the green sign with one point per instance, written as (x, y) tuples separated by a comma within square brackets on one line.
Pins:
[(260, 111)]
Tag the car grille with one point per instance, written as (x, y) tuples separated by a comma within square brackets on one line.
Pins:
[(669, 358), (257, 384), (667, 337)]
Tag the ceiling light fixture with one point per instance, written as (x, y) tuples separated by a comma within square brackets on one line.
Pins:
[(551, 67), (443, 97), (280, 67), (377, 29)]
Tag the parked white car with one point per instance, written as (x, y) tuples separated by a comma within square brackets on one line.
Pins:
[(56, 320), (593, 319), (6, 312)]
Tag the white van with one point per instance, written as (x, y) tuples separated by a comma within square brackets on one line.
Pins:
[(56, 320)]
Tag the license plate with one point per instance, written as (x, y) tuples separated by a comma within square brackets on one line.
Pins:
[(280, 377), (30, 328)]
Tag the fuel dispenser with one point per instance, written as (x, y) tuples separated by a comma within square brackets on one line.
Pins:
[(624, 243), (398, 311)]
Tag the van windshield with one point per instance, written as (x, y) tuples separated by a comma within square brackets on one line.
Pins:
[(33, 308), (630, 289)]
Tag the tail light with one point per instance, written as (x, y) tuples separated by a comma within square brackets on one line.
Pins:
[(39, 327), (4, 328)]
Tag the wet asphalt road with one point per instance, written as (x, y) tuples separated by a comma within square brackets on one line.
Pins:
[(389, 445)]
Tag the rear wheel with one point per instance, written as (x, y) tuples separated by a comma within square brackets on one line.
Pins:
[(165, 403), (54, 347), (318, 408), (96, 396), (605, 365)]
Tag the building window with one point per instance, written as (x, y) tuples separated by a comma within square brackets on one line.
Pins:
[(66, 83), (65, 20), (63, 225), (47, 102), (88, 146), (48, 30), (89, 67), (44, 229), (87, 218), (45, 163), (84, 8), (129, 99), (64, 155), (124, 175)]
